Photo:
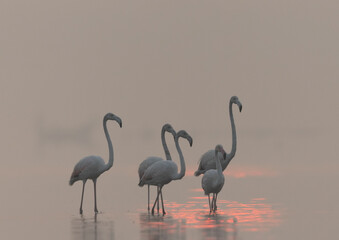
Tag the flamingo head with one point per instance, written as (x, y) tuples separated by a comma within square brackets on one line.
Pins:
[(168, 128), (184, 134), (235, 100), (111, 116)]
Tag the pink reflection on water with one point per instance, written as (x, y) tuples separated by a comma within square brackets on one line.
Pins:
[(255, 216), (244, 172), (250, 172)]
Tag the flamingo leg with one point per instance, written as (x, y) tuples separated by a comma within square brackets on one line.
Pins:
[(82, 195), (155, 202), (215, 202), (209, 203), (148, 198), (95, 195), (162, 201), (158, 201), (212, 205)]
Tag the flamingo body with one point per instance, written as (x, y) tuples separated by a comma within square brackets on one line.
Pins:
[(146, 164), (159, 173), (207, 162), (211, 182), (89, 167)]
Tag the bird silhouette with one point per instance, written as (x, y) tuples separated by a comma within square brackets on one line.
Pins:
[(207, 159), (92, 167), (213, 181), (163, 172), (150, 160)]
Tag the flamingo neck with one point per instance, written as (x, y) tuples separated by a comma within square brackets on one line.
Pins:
[(234, 136), (164, 145), (181, 174), (110, 148), (218, 165)]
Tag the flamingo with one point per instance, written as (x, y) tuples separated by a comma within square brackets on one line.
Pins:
[(213, 180), (150, 160), (163, 172), (92, 167), (207, 159)]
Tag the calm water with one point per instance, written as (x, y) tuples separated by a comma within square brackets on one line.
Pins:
[(269, 193), (265, 196), (261, 207), (189, 220)]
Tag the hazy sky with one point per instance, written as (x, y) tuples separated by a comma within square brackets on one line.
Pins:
[(64, 64)]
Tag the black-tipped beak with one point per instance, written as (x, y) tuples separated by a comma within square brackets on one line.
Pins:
[(224, 156), (240, 107), (191, 142), (119, 122)]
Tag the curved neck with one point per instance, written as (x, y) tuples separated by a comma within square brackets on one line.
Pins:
[(234, 136), (110, 148), (164, 145), (181, 174), (217, 162)]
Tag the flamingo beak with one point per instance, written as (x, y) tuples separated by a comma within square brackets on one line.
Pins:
[(240, 106)]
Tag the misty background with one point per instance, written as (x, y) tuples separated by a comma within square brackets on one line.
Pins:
[(65, 64)]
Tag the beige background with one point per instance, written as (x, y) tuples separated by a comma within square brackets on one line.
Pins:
[(64, 64)]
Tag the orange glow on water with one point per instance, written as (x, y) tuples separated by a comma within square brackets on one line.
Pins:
[(243, 172), (254, 216), (196, 190), (190, 172)]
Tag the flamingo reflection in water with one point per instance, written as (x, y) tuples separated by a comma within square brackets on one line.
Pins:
[(182, 224), (161, 227), (191, 219), (93, 227)]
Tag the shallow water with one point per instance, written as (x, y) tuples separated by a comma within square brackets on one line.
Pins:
[(186, 218), (190, 220), (255, 203), (255, 218)]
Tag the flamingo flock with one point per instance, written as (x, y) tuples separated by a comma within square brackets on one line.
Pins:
[(155, 171)]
